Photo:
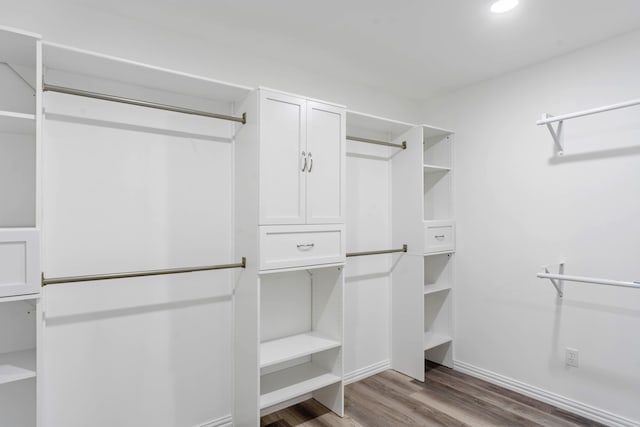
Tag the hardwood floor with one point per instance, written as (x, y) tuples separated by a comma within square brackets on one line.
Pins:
[(446, 398)]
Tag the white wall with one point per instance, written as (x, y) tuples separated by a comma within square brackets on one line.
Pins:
[(367, 279), (518, 207), (73, 23)]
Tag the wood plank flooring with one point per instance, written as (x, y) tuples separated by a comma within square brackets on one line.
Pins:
[(446, 398)]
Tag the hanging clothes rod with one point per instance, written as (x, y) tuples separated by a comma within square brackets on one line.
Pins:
[(373, 141), (388, 251), (556, 278), (589, 280), (552, 119), (75, 279), (77, 92)]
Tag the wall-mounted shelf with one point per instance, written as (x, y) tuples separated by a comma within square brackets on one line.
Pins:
[(293, 347), (17, 366), (287, 384)]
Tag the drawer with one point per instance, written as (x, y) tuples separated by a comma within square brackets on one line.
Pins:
[(439, 236), (19, 261), (299, 246)]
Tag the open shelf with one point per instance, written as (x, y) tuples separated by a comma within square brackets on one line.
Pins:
[(432, 340), (25, 297), (289, 348), (20, 123), (434, 168), (280, 386), (435, 288), (17, 366), (64, 58)]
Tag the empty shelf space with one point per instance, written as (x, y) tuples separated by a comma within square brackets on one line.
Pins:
[(432, 340), (286, 384), (289, 348), (434, 288), (435, 168), (20, 123), (18, 365)]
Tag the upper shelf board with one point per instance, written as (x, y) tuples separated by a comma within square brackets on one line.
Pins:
[(375, 124), (18, 47), (65, 58), (433, 131)]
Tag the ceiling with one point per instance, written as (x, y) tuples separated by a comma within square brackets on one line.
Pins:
[(409, 48)]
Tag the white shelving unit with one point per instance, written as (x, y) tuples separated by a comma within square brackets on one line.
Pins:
[(20, 68), (439, 245), (288, 302)]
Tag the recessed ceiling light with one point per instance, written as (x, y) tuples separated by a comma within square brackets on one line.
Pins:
[(502, 6)]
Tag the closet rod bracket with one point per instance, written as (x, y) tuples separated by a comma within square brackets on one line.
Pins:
[(556, 282), (556, 133)]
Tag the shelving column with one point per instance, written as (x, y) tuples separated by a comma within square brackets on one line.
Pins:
[(439, 245), (20, 68)]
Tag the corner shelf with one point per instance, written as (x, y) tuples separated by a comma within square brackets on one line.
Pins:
[(292, 347), (17, 366), (432, 340), (287, 384)]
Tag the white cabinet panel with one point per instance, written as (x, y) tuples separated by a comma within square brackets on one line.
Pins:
[(282, 159), (19, 262), (325, 146)]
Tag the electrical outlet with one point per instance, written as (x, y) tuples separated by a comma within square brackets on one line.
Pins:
[(571, 357)]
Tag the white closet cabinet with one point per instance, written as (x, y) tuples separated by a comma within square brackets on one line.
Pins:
[(289, 210), (301, 161), (20, 62)]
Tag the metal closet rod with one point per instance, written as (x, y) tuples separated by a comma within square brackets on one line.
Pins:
[(373, 141), (74, 279), (77, 92), (387, 251)]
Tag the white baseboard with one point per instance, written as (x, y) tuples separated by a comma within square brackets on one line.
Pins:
[(225, 421), (562, 402), (362, 373)]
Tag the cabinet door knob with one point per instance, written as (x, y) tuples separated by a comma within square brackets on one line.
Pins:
[(306, 246), (304, 166), (310, 162)]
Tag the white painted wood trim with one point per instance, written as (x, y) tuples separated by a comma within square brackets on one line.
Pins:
[(225, 421), (562, 402), (367, 371)]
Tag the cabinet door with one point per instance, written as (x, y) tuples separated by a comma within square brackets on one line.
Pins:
[(282, 159), (325, 175)]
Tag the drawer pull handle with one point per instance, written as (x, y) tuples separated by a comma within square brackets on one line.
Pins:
[(439, 237), (306, 246)]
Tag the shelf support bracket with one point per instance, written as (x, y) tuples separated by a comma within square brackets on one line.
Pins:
[(558, 284), (14, 71), (556, 134)]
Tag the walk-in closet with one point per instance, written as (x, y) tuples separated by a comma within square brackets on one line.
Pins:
[(281, 213)]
